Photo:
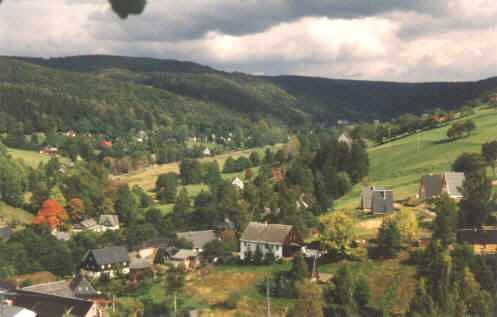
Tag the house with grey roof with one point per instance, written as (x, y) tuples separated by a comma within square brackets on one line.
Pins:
[(367, 196), (283, 240), (382, 202), (59, 288), (106, 260), (346, 138), (109, 222), (5, 232), (189, 258), (433, 185), (82, 288), (149, 248), (198, 238), (483, 241)]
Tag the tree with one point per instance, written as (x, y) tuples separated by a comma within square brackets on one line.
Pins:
[(212, 173), (489, 153), (56, 194), (362, 292), (338, 232), (309, 300), (468, 163), (181, 210), (299, 270), (407, 223), (389, 238), (13, 181), (340, 299), (76, 208), (125, 205), (258, 255), (249, 174), (166, 187), (421, 303), (191, 171), (446, 221), (474, 206), (51, 214)]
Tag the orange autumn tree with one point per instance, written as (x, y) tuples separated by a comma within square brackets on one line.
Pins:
[(51, 214), (77, 207)]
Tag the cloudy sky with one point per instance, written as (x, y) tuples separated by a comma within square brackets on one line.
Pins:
[(394, 40)]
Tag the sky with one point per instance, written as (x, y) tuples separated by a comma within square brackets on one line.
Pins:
[(392, 40)]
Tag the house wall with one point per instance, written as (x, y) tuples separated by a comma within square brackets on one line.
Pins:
[(487, 249), (265, 247), (146, 252), (26, 313), (94, 311)]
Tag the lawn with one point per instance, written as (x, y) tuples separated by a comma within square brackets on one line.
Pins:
[(399, 166), (8, 214), (32, 158)]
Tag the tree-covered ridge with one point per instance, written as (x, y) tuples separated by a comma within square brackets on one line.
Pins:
[(92, 102)]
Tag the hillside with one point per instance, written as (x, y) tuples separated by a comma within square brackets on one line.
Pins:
[(287, 98), (399, 165)]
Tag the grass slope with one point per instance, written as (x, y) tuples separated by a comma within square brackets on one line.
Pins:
[(9, 213), (399, 166), (32, 158)]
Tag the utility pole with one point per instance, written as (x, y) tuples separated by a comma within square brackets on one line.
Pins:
[(175, 306), (268, 299), (418, 141), (389, 136)]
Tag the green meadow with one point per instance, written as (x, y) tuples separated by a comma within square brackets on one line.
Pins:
[(400, 165)]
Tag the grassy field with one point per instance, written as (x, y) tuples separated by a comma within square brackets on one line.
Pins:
[(32, 158), (399, 165), (8, 214)]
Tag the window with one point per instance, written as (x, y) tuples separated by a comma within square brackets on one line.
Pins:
[(482, 246)]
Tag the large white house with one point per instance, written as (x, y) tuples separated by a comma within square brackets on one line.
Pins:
[(282, 240)]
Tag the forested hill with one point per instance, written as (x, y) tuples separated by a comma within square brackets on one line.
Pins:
[(291, 100)]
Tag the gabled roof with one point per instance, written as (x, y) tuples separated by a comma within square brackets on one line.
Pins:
[(432, 185), (226, 225), (477, 236), (199, 238), (5, 232), (367, 196), (81, 287), (108, 220), (453, 182), (59, 288), (154, 243), (268, 233), (52, 306), (110, 255), (382, 202), (140, 264)]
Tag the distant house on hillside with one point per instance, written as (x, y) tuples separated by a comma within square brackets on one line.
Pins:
[(377, 199), (106, 260), (50, 150), (346, 138), (343, 122), (433, 185), (5, 232), (71, 133), (237, 182), (189, 258), (207, 152), (109, 222), (198, 238), (105, 144), (282, 240), (483, 241), (141, 136), (150, 247)]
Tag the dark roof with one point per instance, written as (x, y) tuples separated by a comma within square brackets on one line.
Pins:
[(110, 255), (50, 305), (164, 254), (432, 185), (382, 202), (477, 236), (59, 288), (5, 232), (269, 233), (154, 243), (81, 287), (108, 220), (367, 196), (199, 238)]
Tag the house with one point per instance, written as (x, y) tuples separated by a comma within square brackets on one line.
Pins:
[(367, 196), (198, 238), (106, 260), (452, 182), (141, 136), (343, 122), (283, 240), (109, 222), (71, 133), (62, 235), (189, 258), (105, 144), (139, 265), (9, 310), (189, 312), (150, 247), (483, 241), (50, 150), (346, 138), (82, 288), (207, 152), (59, 288), (5, 232), (164, 254), (434, 185), (225, 225), (91, 224), (237, 182), (431, 185), (45, 305), (382, 202)]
